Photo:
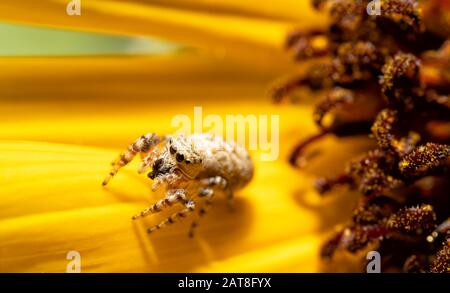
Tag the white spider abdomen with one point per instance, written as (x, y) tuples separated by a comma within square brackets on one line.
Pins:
[(223, 158)]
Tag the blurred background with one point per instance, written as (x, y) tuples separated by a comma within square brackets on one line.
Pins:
[(25, 40)]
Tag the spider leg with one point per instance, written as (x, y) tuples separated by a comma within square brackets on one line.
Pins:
[(220, 183), (230, 201), (208, 193), (189, 207), (142, 145), (172, 196), (147, 160), (216, 181), (210, 185)]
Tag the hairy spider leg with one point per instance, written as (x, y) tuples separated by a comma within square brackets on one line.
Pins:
[(142, 145), (208, 191), (189, 208), (172, 196)]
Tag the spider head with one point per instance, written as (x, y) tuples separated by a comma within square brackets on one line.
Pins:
[(184, 156), (179, 155)]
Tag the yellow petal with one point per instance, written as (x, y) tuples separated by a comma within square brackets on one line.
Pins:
[(296, 255), (114, 77), (53, 203), (220, 34), (121, 96), (272, 9)]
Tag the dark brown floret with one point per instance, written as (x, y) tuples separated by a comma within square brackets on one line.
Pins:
[(318, 3), (385, 132), (414, 264), (375, 211), (419, 220), (374, 171), (338, 96), (441, 262), (307, 45), (356, 61), (353, 239), (383, 128), (400, 62), (424, 159), (403, 11), (400, 81)]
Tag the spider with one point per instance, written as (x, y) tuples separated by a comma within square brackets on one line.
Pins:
[(386, 76), (192, 169)]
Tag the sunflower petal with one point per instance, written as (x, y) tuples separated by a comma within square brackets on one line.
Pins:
[(219, 34), (53, 203), (140, 76), (271, 9), (122, 96), (296, 255)]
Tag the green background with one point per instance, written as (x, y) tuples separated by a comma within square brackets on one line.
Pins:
[(21, 40)]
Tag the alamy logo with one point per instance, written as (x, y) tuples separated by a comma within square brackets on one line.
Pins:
[(256, 132), (374, 264), (74, 265), (74, 8), (374, 8)]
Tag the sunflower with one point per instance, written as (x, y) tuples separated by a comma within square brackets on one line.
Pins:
[(64, 117)]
